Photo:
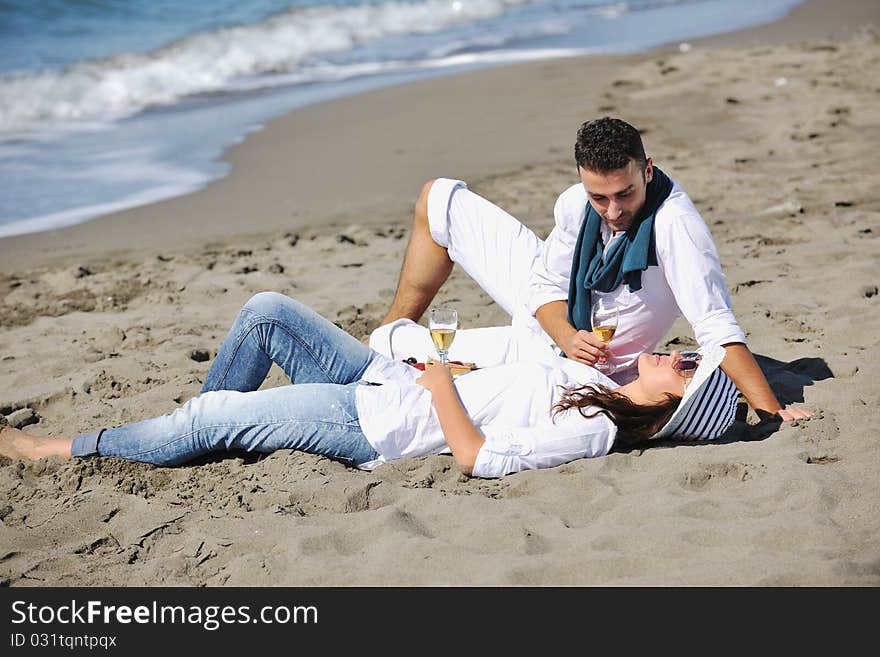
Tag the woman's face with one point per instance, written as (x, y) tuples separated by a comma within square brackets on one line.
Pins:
[(658, 377)]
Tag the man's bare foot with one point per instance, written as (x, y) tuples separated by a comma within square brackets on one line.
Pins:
[(18, 445)]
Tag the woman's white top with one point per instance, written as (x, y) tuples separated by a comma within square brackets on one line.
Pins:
[(509, 404)]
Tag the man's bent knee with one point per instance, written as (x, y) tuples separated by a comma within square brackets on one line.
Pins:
[(422, 202), (426, 189)]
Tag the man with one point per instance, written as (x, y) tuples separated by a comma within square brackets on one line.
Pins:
[(626, 232)]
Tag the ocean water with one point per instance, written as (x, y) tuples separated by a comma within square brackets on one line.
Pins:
[(109, 104)]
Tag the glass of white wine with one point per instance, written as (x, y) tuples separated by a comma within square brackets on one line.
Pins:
[(443, 323), (604, 317)]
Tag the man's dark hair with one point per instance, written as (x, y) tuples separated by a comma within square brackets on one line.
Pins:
[(608, 144)]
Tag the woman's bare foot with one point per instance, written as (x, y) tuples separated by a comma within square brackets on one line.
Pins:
[(15, 445)]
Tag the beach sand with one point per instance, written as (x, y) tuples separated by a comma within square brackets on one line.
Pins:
[(772, 131)]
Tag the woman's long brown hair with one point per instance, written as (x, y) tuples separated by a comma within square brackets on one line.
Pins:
[(636, 423)]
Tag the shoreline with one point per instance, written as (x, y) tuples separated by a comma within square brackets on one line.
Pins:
[(463, 140)]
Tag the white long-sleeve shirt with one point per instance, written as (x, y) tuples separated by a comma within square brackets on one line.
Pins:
[(688, 280), (509, 404)]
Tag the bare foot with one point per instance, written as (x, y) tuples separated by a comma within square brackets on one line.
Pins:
[(18, 445)]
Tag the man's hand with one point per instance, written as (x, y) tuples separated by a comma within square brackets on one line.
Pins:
[(585, 347), (581, 346), (792, 413), (784, 414)]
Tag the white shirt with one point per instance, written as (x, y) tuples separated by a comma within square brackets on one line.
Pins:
[(509, 404), (687, 281)]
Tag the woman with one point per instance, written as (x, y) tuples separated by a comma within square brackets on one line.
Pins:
[(350, 403)]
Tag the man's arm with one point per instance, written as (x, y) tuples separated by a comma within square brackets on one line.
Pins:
[(549, 281), (551, 271), (693, 271), (581, 346), (740, 365)]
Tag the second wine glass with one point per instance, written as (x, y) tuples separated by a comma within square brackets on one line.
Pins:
[(604, 317), (443, 323)]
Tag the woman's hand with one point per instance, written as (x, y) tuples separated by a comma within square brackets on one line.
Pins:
[(434, 376)]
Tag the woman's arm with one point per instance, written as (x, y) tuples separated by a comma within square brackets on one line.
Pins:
[(461, 435)]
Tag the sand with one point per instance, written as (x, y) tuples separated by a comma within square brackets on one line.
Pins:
[(773, 133)]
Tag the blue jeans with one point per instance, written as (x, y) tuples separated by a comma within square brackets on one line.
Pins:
[(316, 414)]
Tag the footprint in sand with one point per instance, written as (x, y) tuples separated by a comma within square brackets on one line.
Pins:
[(818, 458), (534, 543), (720, 472)]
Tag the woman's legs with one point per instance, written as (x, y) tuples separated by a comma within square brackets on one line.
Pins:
[(271, 328), (317, 415), (318, 418), (15, 444)]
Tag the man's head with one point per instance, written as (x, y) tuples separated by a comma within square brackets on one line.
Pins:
[(613, 168)]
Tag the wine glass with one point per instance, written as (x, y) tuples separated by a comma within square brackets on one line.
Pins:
[(443, 323), (604, 316)]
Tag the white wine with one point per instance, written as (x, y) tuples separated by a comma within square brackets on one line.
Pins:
[(604, 333), (442, 338)]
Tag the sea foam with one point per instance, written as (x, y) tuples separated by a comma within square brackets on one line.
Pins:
[(118, 86)]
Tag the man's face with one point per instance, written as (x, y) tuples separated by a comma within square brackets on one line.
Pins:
[(617, 195)]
